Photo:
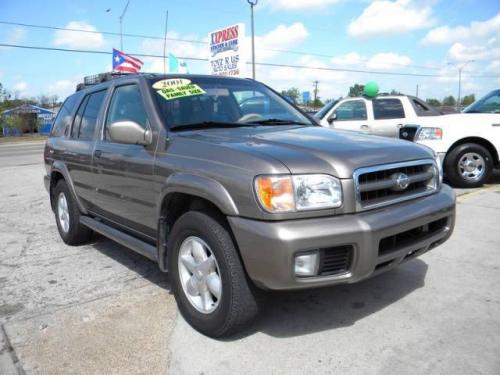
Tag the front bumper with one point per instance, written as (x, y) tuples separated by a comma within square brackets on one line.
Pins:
[(268, 249)]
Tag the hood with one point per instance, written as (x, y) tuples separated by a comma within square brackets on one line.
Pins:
[(315, 149)]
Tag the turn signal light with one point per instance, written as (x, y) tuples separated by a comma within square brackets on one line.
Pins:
[(275, 193)]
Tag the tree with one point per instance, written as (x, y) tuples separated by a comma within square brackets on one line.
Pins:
[(292, 93), (468, 99), (356, 90), (433, 102), (317, 103), (395, 92), (449, 101)]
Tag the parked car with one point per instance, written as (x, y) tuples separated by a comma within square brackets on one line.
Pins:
[(231, 195), (468, 143), (382, 115)]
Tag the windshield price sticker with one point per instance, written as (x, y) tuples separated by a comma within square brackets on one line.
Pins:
[(171, 89)]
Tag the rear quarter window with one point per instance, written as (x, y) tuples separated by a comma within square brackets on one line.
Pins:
[(62, 122), (387, 109)]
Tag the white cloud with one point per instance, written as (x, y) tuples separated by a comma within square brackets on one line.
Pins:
[(390, 18), (461, 52), (16, 35), (476, 31), (21, 89), (297, 4), (21, 86), (281, 38), (387, 61), (379, 61), (62, 88), (79, 39)]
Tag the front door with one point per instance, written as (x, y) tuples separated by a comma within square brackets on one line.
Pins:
[(388, 117), (124, 172), (351, 115)]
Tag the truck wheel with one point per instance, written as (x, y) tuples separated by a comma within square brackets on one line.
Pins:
[(208, 279), (468, 165), (68, 217)]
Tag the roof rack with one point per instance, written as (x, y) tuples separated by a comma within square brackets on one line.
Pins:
[(100, 78)]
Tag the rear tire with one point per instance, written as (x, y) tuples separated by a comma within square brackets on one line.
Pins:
[(468, 165), (201, 248), (67, 216)]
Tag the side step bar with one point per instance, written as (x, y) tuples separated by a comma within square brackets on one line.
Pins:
[(124, 239)]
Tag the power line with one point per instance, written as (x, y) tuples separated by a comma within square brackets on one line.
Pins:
[(257, 63), (181, 40)]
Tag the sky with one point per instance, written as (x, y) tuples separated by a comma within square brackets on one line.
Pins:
[(385, 36)]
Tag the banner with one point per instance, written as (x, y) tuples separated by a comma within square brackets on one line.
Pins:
[(227, 54)]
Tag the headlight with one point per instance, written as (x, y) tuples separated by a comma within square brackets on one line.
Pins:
[(425, 134), (298, 193)]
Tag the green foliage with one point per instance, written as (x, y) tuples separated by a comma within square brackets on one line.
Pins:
[(14, 122), (433, 102), (356, 90), (292, 93), (468, 99), (449, 101)]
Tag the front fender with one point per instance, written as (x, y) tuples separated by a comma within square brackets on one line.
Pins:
[(200, 186), (59, 166)]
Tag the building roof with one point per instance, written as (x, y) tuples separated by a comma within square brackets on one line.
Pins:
[(28, 108)]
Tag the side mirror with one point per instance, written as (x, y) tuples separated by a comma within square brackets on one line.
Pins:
[(129, 132), (332, 118)]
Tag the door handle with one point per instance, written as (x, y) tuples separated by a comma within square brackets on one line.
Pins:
[(399, 126), (97, 153), (495, 124), (365, 127)]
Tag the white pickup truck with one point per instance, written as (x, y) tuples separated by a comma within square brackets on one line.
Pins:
[(467, 143)]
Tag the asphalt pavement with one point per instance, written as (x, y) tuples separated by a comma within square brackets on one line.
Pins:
[(100, 308)]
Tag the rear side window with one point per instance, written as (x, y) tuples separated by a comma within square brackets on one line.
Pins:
[(387, 109), (126, 105), (423, 109), (63, 119), (86, 117), (351, 110)]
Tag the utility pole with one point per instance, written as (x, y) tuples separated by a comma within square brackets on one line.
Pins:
[(460, 68), (416, 93), (121, 24), (165, 45), (315, 83), (252, 4)]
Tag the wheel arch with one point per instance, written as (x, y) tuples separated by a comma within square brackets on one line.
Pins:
[(60, 171), (480, 141), (183, 193)]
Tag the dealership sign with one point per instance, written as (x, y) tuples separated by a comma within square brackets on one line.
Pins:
[(227, 57)]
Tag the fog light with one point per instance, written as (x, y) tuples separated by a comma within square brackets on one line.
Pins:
[(307, 264)]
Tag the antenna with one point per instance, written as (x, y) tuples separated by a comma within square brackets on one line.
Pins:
[(165, 45)]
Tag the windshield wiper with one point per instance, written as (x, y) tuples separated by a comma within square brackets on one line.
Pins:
[(277, 121), (209, 124)]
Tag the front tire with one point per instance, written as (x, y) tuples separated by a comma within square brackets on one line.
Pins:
[(468, 165), (67, 216), (209, 283)]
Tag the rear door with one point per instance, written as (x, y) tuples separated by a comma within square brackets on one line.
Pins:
[(80, 145), (352, 115), (124, 172), (388, 117)]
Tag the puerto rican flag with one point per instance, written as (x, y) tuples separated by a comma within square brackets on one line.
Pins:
[(125, 63)]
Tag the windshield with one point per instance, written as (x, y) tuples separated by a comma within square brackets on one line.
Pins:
[(487, 104), (323, 111), (190, 102)]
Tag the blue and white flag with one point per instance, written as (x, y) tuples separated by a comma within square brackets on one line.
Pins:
[(177, 66)]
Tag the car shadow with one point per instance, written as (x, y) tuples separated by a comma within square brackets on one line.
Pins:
[(296, 313), (144, 267), (288, 314)]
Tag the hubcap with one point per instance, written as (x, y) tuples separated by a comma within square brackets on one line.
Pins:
[(62, 212), (199, 275), (471, 166)]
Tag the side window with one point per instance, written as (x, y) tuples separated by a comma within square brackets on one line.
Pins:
[(63, 119), (423, 109), (126, 105), (491, 104), (387, 109), (89, 117), (75, 129), (351, 110)]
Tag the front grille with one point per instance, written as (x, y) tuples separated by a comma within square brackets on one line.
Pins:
[(408, 132), (386, 184), (335, 260), (398, 241)]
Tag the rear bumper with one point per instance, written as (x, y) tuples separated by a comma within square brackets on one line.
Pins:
[(268, 249)]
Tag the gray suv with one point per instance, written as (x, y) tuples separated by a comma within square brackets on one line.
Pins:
[(232, 189)]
